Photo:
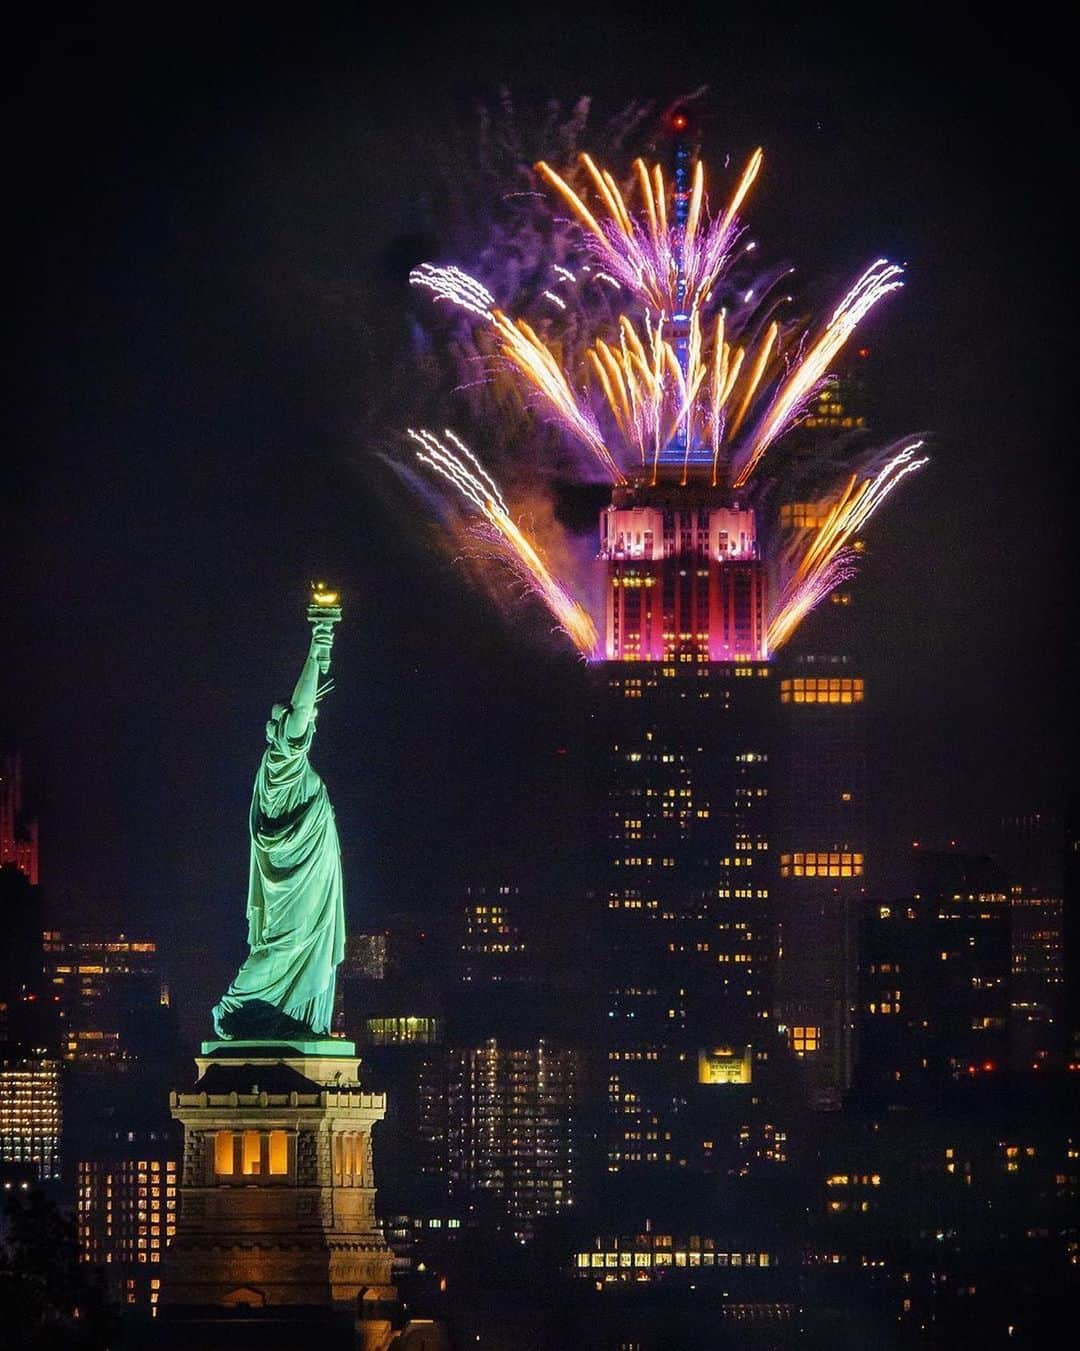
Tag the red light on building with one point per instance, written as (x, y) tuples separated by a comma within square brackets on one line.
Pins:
[(680, 122)]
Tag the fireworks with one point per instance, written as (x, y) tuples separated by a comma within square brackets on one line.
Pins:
[(450, 283), (461, 468), (827, 560), (693, 381), (669, 268), (796, 389)]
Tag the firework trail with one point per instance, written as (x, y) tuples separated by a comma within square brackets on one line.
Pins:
[(650, 396), (456, 286), (802, 597), (669, 268), (804, 379), (461, 468), (826, 560)]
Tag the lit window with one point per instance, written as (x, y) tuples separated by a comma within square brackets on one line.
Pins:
[(279, 1153), (252, 1163), (822, 690), (224, 1165), (805, 1040), (835, 864)]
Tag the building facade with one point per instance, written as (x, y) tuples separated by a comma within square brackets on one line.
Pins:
[(125, 1208), (514, 1127), (821, 792), (112, 996), (683, 883), (31, 1113), (934, 992)]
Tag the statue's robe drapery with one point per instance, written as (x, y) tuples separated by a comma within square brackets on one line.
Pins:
[(295, 909)]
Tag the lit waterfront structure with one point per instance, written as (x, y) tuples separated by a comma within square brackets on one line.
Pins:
[(125, 1209), (18, 836), (112, 995), (514, 1129), (31, 1113)]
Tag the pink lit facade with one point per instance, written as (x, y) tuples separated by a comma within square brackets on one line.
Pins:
[(18, 837), (683, 580)]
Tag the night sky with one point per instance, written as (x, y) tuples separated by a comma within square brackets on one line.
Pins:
[(213, 219)]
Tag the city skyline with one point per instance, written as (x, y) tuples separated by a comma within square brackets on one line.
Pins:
[(217, 332)]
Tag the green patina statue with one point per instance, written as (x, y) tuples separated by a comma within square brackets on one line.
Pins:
[(295, 910)]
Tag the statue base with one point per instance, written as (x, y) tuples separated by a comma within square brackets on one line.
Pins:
[(277, 1196), (320, 1046)]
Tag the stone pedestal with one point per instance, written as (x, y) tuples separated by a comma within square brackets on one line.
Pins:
[(277, 1199)]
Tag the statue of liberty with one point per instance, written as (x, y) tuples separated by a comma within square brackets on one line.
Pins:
[(295, 910)]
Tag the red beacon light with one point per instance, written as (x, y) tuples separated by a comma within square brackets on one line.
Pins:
[(679, 121)]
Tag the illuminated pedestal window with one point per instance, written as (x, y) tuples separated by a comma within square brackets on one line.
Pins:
[(251, 1153)]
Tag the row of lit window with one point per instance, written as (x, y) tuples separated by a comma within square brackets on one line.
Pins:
[(836, 864), (822, 690), (833, 421), (678, 1258)]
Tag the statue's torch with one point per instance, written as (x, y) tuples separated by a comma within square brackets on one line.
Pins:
[(324, 609)]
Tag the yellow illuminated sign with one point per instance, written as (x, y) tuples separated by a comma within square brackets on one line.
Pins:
[(725, 1065)]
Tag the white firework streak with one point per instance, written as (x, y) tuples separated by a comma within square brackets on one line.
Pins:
[(477, 486), (453, 284)]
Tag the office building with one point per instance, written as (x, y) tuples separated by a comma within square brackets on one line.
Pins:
[(31, 1112)]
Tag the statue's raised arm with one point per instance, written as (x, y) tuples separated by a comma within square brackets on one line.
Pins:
[(295, 910)]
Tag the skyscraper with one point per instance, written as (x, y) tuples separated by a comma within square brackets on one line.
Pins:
[(684, 705), (514, 1126), (31, 1111), (112, 993), (126, 1207), (820, 777)]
